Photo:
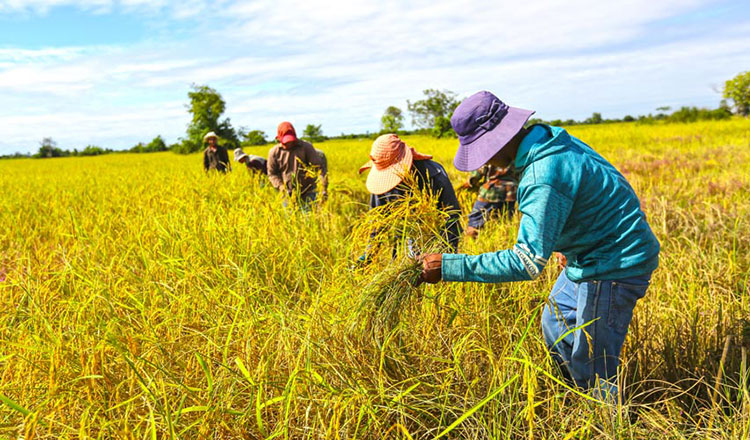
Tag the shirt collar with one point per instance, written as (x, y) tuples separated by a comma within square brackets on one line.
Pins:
[(537, 135)]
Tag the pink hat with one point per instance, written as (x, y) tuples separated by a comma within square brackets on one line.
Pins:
[(390, 160)]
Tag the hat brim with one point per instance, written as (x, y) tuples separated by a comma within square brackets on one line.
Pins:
[(472, 156), (288, 138), (382, 181), (239, 158)]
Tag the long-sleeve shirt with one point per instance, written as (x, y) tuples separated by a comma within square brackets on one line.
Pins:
[(430, 173), (292, 169), (574, 202), (216, 159), (256, 164), (495, 184)]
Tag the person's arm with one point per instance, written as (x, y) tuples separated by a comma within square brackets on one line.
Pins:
[(205, 161), (545, 211), (274, 172)]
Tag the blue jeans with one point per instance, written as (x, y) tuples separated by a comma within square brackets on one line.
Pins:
[(591, 358), (482, 211)]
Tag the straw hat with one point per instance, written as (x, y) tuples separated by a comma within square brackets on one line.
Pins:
[(390, 160), (209, 135), (239, 154)]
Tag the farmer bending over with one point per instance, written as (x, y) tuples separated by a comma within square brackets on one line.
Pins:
[(215, 156), (255, 164), (574, 202), (496, 195), (390, 161), (291, 166)]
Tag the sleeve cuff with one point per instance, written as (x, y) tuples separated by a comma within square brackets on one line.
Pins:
[(452, 267)]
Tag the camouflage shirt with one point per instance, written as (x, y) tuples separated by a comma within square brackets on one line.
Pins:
[(495, 184)]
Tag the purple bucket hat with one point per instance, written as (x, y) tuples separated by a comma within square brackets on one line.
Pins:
[(484, 125)]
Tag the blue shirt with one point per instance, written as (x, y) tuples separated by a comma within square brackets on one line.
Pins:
[(575, 202), (430, 173)]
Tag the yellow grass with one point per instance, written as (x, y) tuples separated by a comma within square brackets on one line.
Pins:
[(142, 299)]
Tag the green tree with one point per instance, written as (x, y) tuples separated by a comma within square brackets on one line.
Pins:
[(436, 103), (392, 120), (92, 150), (156, 144), (253, 137), (313, 133), (206, 107), (48, 148), (443, 127), (738, 90), (692, 114), (596, 118)]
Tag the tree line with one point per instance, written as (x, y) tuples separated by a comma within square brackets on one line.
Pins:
[(429, 115)]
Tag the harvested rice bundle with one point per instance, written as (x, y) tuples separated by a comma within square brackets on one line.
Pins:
[(389, 291)]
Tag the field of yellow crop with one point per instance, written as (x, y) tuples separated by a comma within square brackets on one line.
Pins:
[(140, 298)]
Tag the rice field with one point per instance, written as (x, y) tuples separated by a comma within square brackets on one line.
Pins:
[(141, 298)]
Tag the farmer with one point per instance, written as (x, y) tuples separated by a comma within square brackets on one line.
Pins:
[(255, 164), (496, 195), (390, 161), (215, 156), (575, 202), (291, 166)]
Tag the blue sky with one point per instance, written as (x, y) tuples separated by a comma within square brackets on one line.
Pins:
[(116, 72)]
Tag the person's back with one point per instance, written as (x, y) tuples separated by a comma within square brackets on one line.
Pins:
[(495, 184), (256, 164), (602, 237), (432, 175)]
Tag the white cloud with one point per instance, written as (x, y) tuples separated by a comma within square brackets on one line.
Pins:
[(177, 9), (342, 63), (44, 6)]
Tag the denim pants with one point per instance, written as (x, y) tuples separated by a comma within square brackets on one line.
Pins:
[(591, 355), (482, 211)]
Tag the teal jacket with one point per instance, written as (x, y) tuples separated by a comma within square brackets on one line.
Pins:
[(574, 202)]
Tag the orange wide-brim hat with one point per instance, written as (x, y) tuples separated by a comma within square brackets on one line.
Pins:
[(390, 161)]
